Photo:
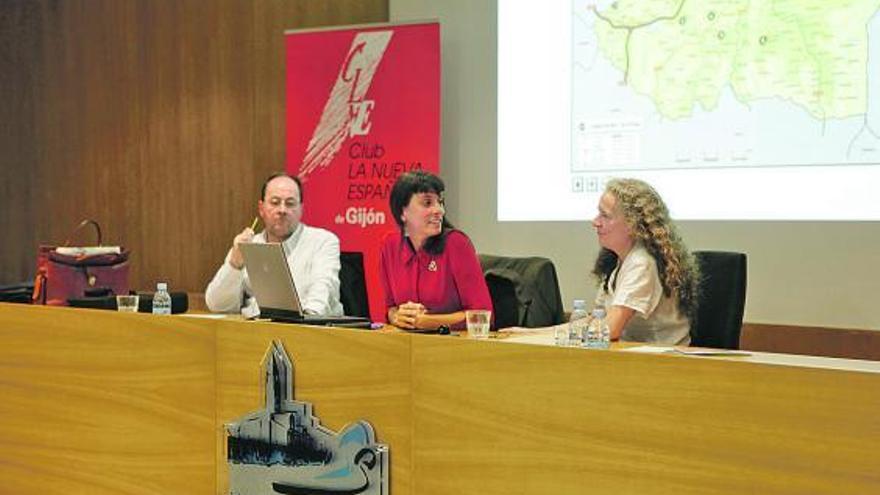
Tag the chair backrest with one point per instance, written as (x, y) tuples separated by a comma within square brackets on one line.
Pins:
[(524, 291), (353, 284), (721, 300)]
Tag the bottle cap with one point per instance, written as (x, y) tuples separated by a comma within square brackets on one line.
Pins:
[(162, 286)]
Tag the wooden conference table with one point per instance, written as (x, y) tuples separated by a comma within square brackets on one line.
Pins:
[(98, 402)]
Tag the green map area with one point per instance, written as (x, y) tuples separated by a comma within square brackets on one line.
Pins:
[(683, 53)]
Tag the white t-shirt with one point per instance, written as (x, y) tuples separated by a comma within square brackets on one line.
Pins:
[(636, 284)]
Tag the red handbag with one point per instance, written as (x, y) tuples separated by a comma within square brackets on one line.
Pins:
[(78, 272)]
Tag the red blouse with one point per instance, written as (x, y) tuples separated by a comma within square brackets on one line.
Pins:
[(444, 283)]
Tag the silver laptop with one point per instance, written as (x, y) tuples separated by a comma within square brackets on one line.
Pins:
[(275, 289)]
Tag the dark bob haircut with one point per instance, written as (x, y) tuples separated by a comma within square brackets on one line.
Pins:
[(409, 184)]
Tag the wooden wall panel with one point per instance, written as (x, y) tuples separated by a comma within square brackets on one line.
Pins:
[(811, 341), (20, 81), (158, 118)]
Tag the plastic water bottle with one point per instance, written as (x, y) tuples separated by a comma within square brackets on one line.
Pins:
[(161, 300), (597, 334), (577, 325)]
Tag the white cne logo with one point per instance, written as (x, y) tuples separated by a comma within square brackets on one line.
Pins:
[(346, 112)]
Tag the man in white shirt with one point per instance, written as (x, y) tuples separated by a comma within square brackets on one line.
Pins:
[(312, 254)]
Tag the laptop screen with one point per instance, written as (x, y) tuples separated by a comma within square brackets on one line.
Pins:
[(270, 277)]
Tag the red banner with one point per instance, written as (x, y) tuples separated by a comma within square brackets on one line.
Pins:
[(363, 107)]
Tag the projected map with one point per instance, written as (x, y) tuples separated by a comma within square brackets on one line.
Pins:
[(678, 84)]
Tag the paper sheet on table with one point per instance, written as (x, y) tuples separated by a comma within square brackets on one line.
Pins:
[(707, 351), (543, 336), (688, 351), (648, 349), (88, 250)]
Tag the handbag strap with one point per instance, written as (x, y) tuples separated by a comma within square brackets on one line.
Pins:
[(82, 224)]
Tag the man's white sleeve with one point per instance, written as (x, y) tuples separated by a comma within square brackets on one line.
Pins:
[(226, 291)]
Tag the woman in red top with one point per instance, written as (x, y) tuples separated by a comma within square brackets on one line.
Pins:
[(429, 270)]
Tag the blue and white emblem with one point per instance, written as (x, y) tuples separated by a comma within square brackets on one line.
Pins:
[(284, 449)]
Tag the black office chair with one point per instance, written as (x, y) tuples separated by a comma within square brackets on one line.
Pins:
[(721, 299), (353, 284), (524, 291)]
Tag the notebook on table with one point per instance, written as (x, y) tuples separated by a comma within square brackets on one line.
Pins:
[(275, 290)]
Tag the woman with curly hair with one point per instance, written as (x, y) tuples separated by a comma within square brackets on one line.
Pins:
[(647, 278)]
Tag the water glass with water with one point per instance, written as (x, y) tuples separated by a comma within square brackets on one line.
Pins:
[(478, 323)]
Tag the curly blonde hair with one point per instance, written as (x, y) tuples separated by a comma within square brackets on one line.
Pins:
[(648, 219)]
